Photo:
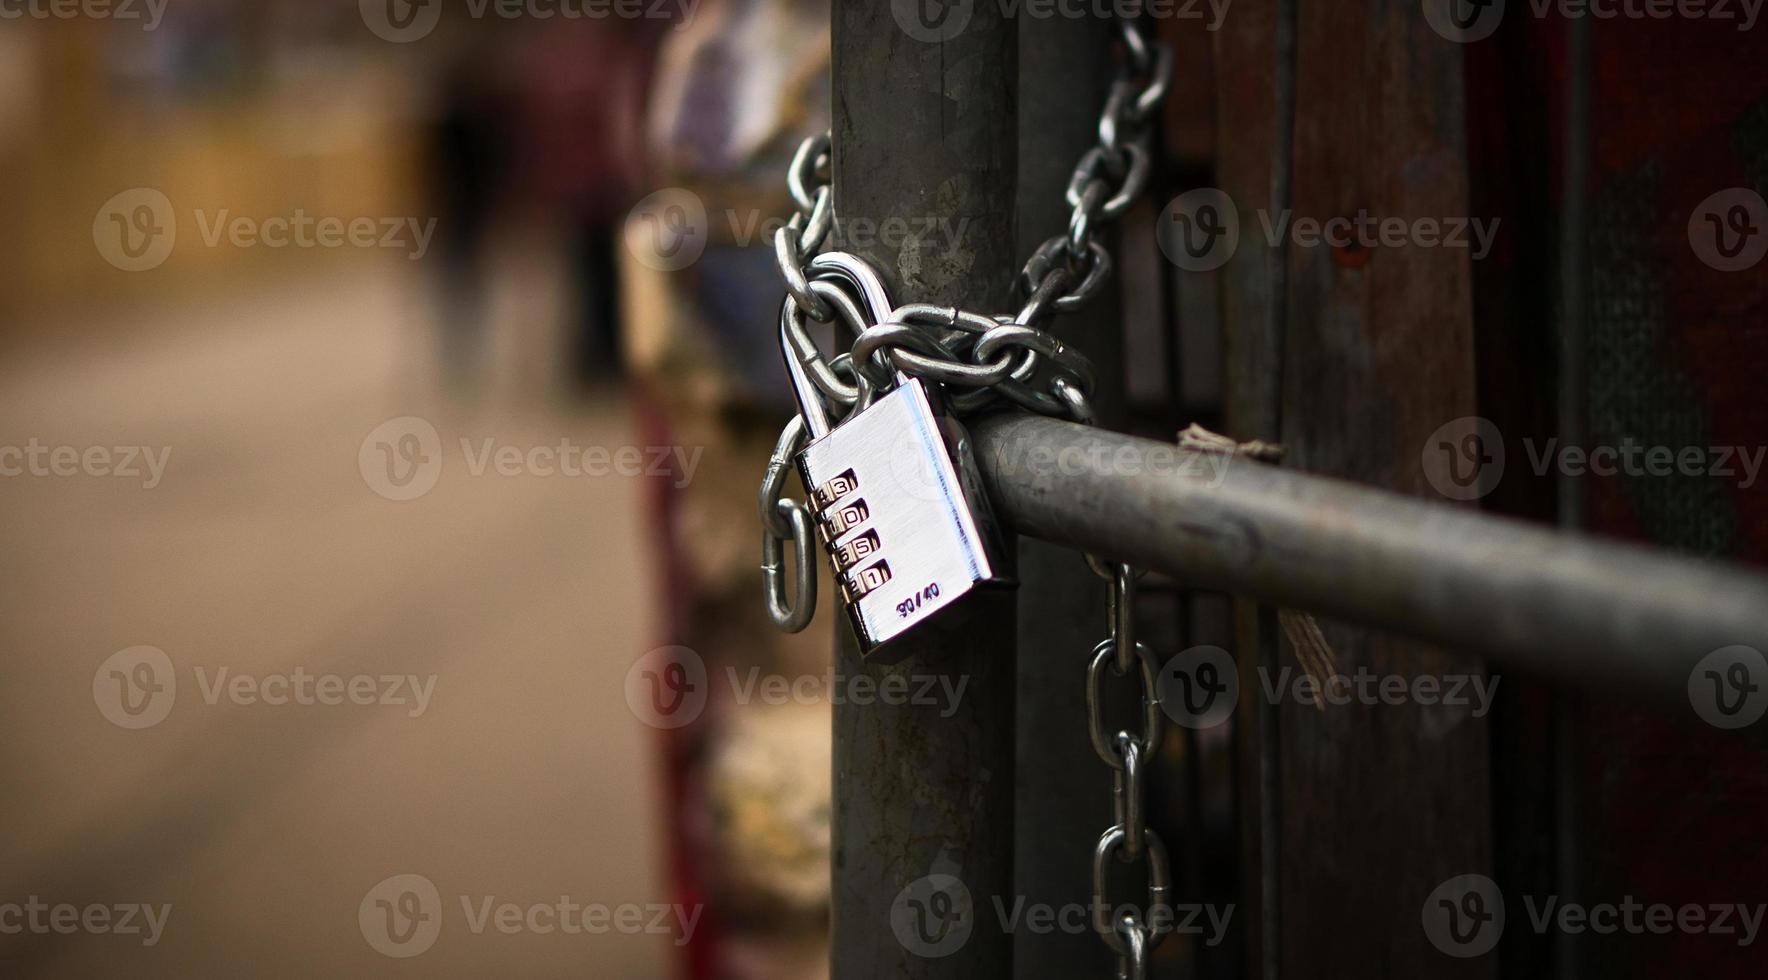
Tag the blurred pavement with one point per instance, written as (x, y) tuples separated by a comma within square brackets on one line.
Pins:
[(264, 550)]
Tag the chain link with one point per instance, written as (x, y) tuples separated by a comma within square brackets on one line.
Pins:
[(966, 351), (782, 520)]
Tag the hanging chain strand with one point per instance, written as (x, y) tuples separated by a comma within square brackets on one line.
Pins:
[(1133, 934), (978, 359)]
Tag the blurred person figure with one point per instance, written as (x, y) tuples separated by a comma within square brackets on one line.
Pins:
[(735, 91), (583, 85), (468, 161)]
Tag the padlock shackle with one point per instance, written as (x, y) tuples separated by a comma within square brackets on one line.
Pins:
[(862, 276), (876, 307), (875, 295), (810, 402)]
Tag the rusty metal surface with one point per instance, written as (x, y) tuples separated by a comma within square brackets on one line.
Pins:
[(1254, 57), (1589, 613), (926, 132), (1378, 353), (1063, 790)]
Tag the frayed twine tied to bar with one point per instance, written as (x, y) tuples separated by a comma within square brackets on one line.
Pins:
[(1199, 439), (1311, 649)]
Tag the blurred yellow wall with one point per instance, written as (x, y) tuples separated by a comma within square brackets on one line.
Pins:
[(328, 137)]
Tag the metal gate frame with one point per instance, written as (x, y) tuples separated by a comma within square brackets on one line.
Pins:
[(916, 794)]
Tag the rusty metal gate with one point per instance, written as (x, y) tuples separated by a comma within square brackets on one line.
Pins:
[(1325, 830)]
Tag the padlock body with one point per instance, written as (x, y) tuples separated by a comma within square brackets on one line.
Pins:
[(908, 536)]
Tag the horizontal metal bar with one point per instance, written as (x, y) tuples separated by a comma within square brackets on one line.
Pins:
[(1584, 611)]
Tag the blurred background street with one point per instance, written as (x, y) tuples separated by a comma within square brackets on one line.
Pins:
[(330, 306), (262, 549), (385, 386)]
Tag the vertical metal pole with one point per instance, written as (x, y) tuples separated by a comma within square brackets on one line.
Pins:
[(1378, 353), (1255, 112), (1573, 384), (925, 143), (1064, 789)]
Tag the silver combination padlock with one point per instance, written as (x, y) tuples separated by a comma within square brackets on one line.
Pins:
[(895, 496)]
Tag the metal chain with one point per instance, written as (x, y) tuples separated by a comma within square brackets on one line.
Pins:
[(976, 358), (1133, 934), (979, 358)]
